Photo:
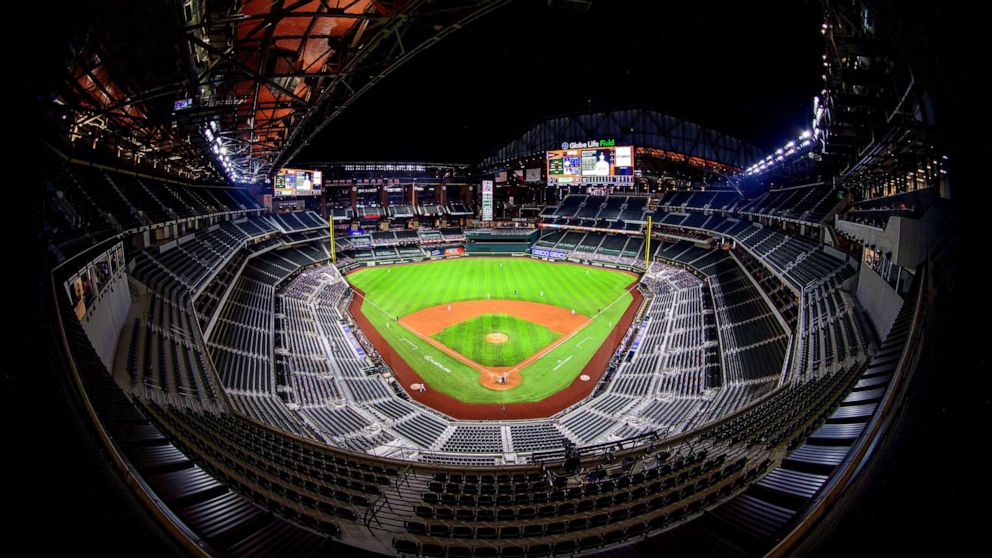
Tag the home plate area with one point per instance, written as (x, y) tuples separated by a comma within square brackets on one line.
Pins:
[(496, 337)]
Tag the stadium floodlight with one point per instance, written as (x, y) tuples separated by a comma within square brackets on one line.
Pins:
[(806, 134)]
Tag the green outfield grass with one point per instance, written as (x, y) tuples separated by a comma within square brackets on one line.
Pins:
[(395, 291), (523, 339)]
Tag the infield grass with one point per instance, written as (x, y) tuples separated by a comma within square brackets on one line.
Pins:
[(524, 338), (395, 291)]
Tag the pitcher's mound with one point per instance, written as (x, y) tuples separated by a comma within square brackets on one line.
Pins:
[(497, 338)]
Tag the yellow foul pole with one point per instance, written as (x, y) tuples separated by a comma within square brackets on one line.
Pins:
[(330, 228), (647, 246)]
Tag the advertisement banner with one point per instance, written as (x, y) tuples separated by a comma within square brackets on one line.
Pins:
[(487, 200), (552, 254)]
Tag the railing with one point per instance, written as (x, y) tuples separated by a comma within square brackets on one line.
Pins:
[(180, 532), (794, 348), (847, 472)]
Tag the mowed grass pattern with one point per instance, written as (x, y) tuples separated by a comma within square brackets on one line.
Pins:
[(395, 291), (524, 338)]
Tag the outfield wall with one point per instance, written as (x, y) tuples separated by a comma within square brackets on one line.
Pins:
[(592, 263), (497, 247)]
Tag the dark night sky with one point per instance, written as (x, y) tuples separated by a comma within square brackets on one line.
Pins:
[(747, 69)]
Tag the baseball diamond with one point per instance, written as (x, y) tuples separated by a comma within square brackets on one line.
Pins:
[(444, 310)]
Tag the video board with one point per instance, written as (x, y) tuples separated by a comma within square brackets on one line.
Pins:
[(298, 182), (590, 163)]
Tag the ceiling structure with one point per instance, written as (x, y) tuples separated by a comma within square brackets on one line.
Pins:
[(119, 82), (638, 127), (233, 89), (873, 122), (269, 75), (236, 88)]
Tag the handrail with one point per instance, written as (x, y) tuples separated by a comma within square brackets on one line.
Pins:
[(877, 427), (189, 540)]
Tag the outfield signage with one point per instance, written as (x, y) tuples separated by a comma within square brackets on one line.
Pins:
[(456, 251), (487, 200), (552, 254), (589, 143)]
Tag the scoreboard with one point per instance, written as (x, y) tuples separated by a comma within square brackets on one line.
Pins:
[(590, 163), (297, 182)]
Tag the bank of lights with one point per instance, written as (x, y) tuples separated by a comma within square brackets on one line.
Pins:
[(224, 157), (788, 150)]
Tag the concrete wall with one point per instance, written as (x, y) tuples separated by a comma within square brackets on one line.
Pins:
[(920, 237), (908, 240), (491, 247), (879, 299), (103, 323)]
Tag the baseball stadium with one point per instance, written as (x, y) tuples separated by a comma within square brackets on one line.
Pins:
[(361, 277)]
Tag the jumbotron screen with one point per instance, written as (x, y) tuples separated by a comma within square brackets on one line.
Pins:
[(591, 165), (297, 182)]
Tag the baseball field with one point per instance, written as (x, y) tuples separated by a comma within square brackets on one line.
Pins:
[(493, 330)]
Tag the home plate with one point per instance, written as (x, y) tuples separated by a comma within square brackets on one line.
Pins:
[(584, 378)]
